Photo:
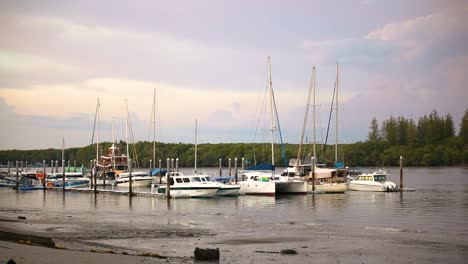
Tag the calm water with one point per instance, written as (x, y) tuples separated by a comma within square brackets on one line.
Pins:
[(355, 227)]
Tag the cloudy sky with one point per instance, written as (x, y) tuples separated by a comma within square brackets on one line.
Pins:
[(207, 60)]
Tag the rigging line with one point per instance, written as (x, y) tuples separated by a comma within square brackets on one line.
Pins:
[(283, 153), (329, 120)]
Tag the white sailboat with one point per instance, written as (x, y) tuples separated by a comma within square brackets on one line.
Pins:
[(266, 182)]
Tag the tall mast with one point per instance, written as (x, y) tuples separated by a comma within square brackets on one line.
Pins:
[(196, 135), (113, 146), (313, 115), (126, 129), (97, 132), (336, 128), (305, 120), (63, 149), (270, 86), (154, 128)]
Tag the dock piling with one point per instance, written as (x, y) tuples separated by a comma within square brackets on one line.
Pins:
[(56, 166), (63, 176), (8, 168), (45, 175), (95, 175), (172, 164), (151, 164), (74, 166), (68, 166), (177, 164), (230, 173), (130, 177), (235, 169), (313, 173), (160, 174), (168, 181), (243, 163), (220, 168), (401, 173), (17, 177)]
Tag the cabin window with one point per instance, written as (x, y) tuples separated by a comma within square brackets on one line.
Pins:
[(207, 178), (203, 179), (186, 179), (178, 180), (171, 181), (196, 179), (255, 178)]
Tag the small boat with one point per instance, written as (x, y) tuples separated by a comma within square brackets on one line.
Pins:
[(374, 182), (227, 188), (190, 186), (139, 179), (257, 183), (72, 179)]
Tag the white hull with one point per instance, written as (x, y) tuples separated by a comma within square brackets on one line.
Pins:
[(291, 187), (136, 182), (366, 187), (228, 190), (191, 192), (257, 188), (329, 187)]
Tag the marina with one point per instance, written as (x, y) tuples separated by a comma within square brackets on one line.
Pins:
[(362, 226)]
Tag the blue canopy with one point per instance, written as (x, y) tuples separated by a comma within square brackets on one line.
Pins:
[(263, 167), (155, 171)]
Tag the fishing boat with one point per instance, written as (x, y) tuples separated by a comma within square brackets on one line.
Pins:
[(139, 179), (373, 182), (189, 186), (72, 179)]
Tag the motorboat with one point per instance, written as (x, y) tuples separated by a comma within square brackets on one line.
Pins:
[(194, 186), (227, 187), (72, 179), (139, 179), (257, 183), (374, 182)]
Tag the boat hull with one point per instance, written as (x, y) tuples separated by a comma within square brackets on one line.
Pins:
[(192, 192), (365, 187), (228, 190), (267, 188), (291, 187), (329, 187), (135, 182)]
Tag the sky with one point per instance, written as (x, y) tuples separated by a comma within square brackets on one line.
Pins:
[(207, 60)]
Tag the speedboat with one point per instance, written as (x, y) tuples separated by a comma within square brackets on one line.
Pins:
[(139, 179), (374, 182), (227, 188), (72, 179), (257, 183), (195, 186)]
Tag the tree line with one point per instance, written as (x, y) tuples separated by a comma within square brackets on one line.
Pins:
[(431, 141)]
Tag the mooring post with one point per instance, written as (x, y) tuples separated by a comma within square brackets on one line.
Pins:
[(401, 173), (22, 164), (68, 167), (95, 175), (172, 164), (130, 177), (313, 173), (243, 164), (56, 166), (91, 182), (45, 175), (168, 181), (220, 168), (8, 169), (177, 164), (151, 164), (74, 166), (63, 176), (160, 174), (230, 173), (235, 169), (17, 177)]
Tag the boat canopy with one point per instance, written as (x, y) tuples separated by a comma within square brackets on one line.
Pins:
[(155, 171), (262, 167)]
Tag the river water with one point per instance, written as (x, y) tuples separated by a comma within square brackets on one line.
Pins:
[(427, 225)]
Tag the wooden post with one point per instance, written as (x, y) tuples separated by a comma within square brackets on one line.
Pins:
[(63, 176), (235, 169), (74, 166), (151, 164), (220, 168), (22, 164), (160, 174), (177, 164), (95, 175), (168, 181), (401, 173), (172, 164), (52, 166), (229, 169), (92, 174), (313, 173), (8, 169), (56, 166), (17, 177), (130, 177), (243, 163), (45, 174), (68, 166)]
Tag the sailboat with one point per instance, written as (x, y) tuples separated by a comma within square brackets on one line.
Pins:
[(324, 177), (195, 186), (139, 178), (262, 179)]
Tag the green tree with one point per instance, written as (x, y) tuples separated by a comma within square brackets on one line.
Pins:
[(374, 131)]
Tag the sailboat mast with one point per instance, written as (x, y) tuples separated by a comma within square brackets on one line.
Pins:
[(113, 146), (336, 128), (126, 130), (271, 114), (63, 149), (97, 133), (154, 128), (196, 135), (313, 116), (305, 121)]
